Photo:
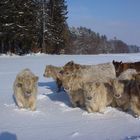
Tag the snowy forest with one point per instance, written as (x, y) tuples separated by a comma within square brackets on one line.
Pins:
[(28, 26)]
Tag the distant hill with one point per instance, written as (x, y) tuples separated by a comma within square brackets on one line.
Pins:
[(86, 41)]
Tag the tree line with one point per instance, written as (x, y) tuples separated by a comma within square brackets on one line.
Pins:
[(32, 25), (28, 26), (86, 41)]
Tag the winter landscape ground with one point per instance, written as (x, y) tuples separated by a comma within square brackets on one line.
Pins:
[(54, 118)]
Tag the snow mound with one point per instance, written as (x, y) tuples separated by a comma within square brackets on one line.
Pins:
[(55, 118), (75, 134), (132, 138)]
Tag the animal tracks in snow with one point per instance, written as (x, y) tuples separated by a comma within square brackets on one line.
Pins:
[(41, 96), (9, 105), (75, 134), (66, 108), (132, 138), (16, 109)]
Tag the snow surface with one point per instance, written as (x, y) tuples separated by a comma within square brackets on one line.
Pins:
[(54, 118)]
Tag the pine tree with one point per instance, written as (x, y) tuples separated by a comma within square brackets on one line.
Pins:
[(43, 20), (6, 23), (19, 24), (56, 26)]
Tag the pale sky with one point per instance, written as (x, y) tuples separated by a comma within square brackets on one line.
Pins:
[(114, 18)]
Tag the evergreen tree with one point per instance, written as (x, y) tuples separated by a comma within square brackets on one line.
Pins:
[(56, 26), (18, 26), (43, 18), (6, 23)]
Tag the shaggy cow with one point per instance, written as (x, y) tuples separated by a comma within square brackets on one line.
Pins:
[(98, 95), (77, 98), (121, 93), (25, 89), (72, 84), (74, 77), (127, 94), (121, 88), (127, 74), (100, 72), (135, 94), (52, 71)]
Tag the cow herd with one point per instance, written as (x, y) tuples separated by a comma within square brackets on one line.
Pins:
[(90, 87)]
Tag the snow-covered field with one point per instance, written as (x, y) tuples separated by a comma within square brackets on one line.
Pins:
[(54, 118)]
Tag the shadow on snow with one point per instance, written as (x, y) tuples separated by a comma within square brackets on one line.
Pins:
[(55, 96), (7, 136)]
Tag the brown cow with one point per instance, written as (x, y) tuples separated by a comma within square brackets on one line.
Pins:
[(120, 66)]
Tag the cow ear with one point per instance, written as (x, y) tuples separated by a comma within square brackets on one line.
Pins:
[(113, 61), (20, 80), (85, 87), (35, 78), (97, 84), (60, 74), (71, 62), (19, 85), (111, 81), (133, 76)]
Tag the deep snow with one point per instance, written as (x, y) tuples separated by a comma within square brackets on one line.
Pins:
[(55, 119)]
